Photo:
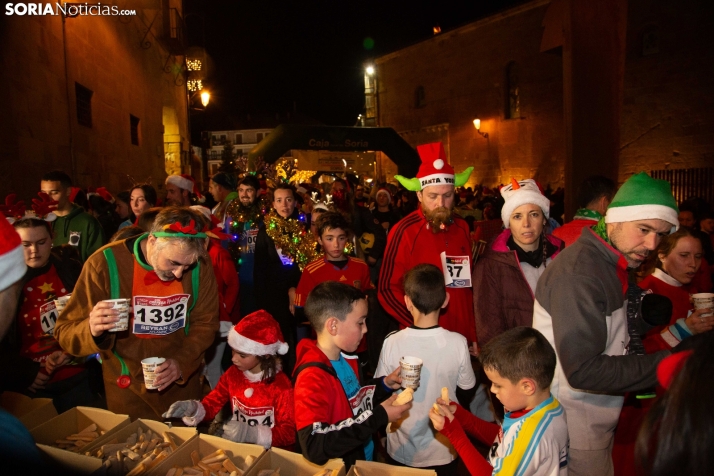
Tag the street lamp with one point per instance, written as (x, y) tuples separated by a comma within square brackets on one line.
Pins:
[(477, 125), (370, 70), (205, 97)]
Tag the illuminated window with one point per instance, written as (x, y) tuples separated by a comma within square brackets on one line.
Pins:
[(134, 124), (84, 105)]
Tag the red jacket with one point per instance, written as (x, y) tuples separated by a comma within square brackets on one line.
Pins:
[(571, 231), (327, 426), (226, 278), (270, 404), (411, 243)]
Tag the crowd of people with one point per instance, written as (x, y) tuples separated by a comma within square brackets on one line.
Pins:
[(282, 315)]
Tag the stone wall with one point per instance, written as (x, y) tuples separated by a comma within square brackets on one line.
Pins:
[(41, 60)]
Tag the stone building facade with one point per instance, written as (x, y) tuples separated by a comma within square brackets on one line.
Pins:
[(493, 69), (101, 97)]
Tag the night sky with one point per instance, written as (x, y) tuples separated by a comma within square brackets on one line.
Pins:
[(269, 57)]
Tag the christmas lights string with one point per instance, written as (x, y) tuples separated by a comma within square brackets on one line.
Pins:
[(292, 239)]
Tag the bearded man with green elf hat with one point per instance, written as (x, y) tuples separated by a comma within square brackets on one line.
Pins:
[(431, 234), (587, 309)]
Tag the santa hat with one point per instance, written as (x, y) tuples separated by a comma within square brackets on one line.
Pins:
[(102, 192), (214, 228), (12, 259), (671, 366), (185, 182), (384, 190), (643, 198), (434, 169), (519, 193), (257, 334)]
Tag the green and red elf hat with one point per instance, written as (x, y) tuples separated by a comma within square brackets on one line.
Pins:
[(434, 170)]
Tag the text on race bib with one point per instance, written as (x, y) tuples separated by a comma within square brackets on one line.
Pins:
[(457, 271), (160, 315), (48, 317), (362, 400), (253, 416)]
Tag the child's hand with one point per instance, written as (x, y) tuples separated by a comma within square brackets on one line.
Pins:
[(437, 420), (395, 413), (393, 380), (451, 406)]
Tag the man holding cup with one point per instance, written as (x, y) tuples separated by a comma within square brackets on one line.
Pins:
[(174, 300)]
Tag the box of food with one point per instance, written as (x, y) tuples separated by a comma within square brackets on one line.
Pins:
[(32, 412), (138, 447), (293, 464), (71, 463), (78, 428), (370, 468), (210, 453)]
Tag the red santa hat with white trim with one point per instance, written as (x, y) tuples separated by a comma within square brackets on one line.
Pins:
[(434, 170), (185, 182), (12, 259), (257, 334)]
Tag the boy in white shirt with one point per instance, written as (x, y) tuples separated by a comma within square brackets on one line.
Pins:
[(412, 441)]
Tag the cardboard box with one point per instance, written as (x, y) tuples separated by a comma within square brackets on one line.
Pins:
[(205, 445), (293, 464), (180, 436), (75, 420), (370, 468), (32, 412), (71, 463)]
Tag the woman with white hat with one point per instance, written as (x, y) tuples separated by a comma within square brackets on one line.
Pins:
[(507, 274)]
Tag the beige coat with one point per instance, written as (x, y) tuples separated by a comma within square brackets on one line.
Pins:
[(72, 332)]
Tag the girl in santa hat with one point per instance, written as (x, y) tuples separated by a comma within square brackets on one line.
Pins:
[(261, 395)]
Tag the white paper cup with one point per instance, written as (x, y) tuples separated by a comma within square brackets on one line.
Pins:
[(149, 366), (703, 301), (122, 305), (61, 302), (410, 371)]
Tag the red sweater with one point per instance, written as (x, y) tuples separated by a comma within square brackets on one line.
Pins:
[(269, 404), (571, 231), (226, 279), (483, 431), (411, 243)]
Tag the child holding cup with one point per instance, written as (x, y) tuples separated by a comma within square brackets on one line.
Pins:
[(445, 361)]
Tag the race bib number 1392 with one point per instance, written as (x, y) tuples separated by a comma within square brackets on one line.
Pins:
[(160, 315)]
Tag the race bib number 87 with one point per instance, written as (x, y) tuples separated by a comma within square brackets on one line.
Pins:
[(160, 315)]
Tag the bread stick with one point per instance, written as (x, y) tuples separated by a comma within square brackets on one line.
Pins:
[(445, 395), (437, 409), (405, 397)]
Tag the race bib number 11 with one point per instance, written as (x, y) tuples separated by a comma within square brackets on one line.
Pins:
[(160, 315)]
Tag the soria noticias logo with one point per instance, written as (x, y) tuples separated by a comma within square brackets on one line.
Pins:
[(65, 9)]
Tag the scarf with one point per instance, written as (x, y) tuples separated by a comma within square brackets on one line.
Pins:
[(601, 230), (535, 257), (587, 214)]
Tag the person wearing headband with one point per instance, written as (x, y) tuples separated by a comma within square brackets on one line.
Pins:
[(171, 288)]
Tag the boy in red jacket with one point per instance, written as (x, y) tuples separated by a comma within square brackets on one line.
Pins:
[(334, 415)]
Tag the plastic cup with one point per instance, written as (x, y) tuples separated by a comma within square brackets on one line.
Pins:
[(703, 301), (149, 367), (122, 305), (61, 303), (410, 371)]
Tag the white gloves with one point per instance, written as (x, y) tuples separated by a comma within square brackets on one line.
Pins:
[(241, 432), (191, 412)]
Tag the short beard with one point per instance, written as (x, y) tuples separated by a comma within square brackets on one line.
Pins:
[(439, 219), (631, 263), (245, 205)]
